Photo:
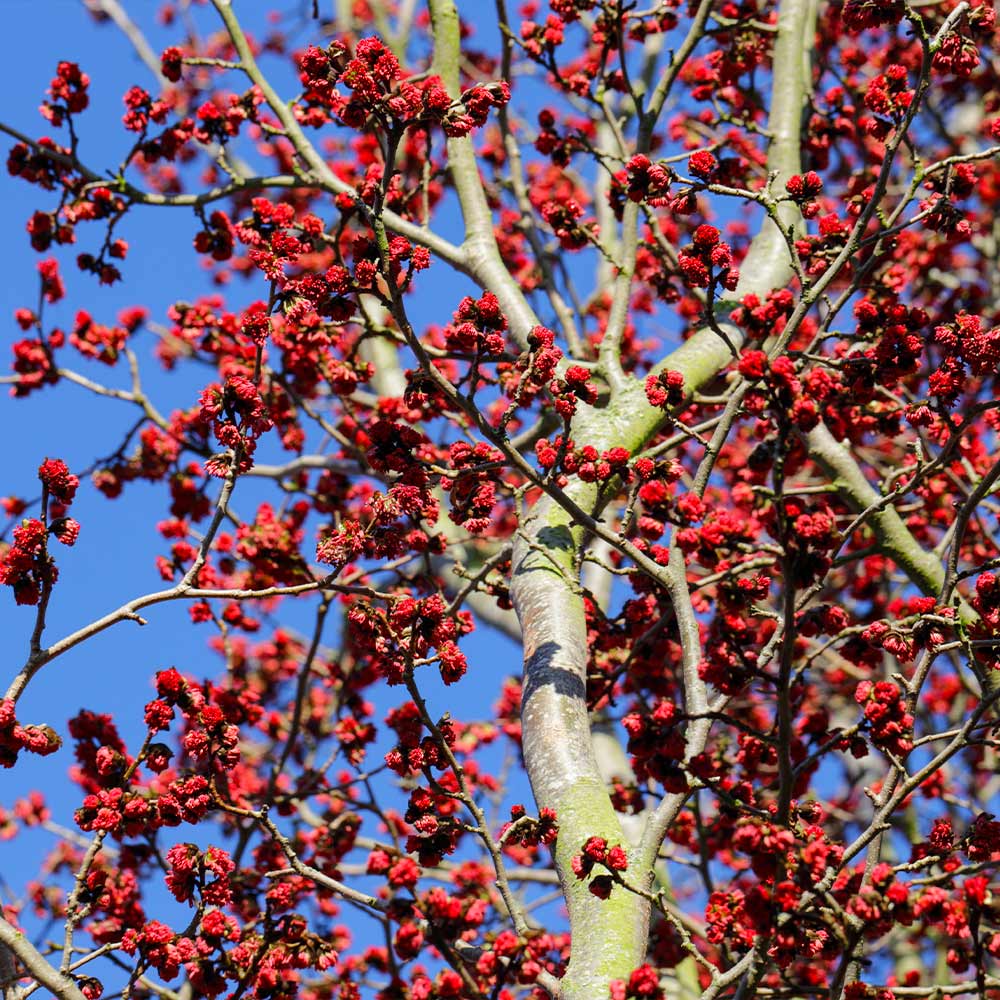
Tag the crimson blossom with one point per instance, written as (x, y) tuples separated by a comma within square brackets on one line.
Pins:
[(661, 339)]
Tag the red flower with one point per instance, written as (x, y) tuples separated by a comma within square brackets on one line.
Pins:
[(702, 165)]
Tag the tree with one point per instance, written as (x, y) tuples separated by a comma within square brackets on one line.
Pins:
[(712, 436)]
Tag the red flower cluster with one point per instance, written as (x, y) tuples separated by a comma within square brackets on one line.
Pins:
[(539, 362), (276, 238), (642, 982), (657, 496), (44, 228), (885, 712), (665, 390), (888, 96), (702, 165), (380, 94), (708, 259), (558, 147), (656, 742), (640, 181), (574, 385), (957, 53), (596, 852), (142, 109), (436, 830), (987, 601), (199, 876), (982, 841), (477, 326), (14, 737), (34, 165), (473, 491), (861, 14), (67, 92), (270, 547), (416, 752), (425, 625), (803, 189), (171, 63), (564, 218), (967, 341), (238, 416), (94, 340), (217, 238), (586, 462), (525, 831), (26, 566)]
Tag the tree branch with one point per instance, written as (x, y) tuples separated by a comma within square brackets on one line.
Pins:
[(35, 964)]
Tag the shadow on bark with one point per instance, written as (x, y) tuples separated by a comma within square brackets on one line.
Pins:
[(542, 671)]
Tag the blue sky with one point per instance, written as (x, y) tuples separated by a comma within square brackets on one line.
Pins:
[(113, 559)]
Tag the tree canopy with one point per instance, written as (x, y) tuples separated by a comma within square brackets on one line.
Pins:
[(659, 341)]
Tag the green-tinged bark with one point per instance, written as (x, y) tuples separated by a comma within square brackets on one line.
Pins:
[(480, 252), (610, 937), (895, 540)]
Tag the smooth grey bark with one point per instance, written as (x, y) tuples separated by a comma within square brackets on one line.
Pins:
[(558, 746)]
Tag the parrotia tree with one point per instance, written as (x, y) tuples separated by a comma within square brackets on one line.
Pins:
[(713, 436)]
